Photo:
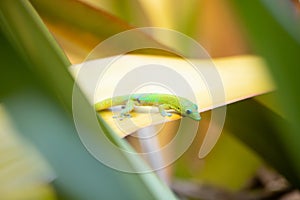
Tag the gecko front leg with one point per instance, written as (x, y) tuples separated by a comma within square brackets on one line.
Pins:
[(162, 109), (126, 110)]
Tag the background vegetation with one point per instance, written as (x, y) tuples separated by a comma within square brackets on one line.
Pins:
[(41, 154)]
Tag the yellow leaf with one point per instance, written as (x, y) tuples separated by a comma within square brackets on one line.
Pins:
[(242, 77)]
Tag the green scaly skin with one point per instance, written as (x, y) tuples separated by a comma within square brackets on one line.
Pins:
[(164, 102)]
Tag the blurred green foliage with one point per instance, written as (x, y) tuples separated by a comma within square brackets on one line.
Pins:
[(281, 50), (36, 89), (38, 116)]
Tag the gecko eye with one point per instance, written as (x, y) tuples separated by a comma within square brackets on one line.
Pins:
[(188, 111)]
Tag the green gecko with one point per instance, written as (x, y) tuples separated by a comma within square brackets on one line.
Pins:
[(164, 102)]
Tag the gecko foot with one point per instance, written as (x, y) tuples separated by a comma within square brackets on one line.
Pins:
[(122, 116), (169, 114), (166, 114)]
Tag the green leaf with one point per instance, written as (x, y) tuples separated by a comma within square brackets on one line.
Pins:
[(46, 125), (281, 51), (87, 26), (21, 24), (257, 129)]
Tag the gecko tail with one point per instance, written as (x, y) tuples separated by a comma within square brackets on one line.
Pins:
[(110, 102), (102, 105)]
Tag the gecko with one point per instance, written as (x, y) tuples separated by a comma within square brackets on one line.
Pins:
[(164, 102)]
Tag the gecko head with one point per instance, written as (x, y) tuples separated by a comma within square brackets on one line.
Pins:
[(191, 111)]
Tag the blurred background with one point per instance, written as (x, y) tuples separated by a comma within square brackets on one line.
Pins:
[(41, 156)]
